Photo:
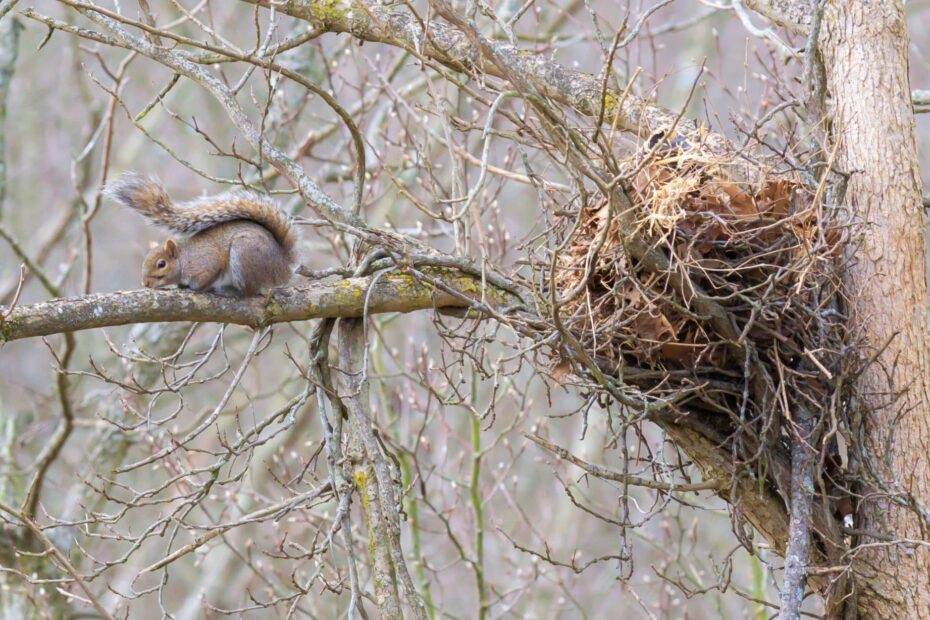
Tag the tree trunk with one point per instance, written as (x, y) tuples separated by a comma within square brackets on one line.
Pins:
[(865, 54)]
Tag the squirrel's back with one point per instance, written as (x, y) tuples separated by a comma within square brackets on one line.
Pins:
[(149, 198)]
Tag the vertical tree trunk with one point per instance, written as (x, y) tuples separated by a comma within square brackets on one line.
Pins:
[(865, 54)]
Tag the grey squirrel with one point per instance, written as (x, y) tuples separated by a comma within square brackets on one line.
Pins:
[(236, 244)]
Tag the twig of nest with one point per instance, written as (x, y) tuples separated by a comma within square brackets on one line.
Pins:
[(767, 252), (764, 251)]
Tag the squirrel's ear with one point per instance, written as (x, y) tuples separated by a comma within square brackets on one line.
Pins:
[(153, 245), (171, 248)]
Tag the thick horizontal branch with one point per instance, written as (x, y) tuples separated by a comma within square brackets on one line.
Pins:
[(351, 297)]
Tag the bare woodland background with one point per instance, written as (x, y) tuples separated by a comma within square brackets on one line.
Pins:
[(535, 533)]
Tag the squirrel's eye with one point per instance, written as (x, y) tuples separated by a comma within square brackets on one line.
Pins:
[(161, 264)]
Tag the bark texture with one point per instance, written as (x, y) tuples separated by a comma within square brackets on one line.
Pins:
[(350, 297), (865, 53), (794, 15)]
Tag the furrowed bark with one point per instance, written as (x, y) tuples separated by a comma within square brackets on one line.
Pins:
[(865, 51)]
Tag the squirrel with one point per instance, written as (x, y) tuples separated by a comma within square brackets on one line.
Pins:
[(236, 244)]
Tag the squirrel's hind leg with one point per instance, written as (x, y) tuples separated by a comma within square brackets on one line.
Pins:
[(253, 264), (208, 277)]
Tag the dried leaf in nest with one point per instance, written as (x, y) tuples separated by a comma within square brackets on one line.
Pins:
[(760, 255), (560, 369), (775, 196), (725, 236)]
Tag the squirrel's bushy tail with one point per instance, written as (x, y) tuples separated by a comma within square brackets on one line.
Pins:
[(149, 198)]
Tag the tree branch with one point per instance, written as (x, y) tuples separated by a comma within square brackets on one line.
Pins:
[(921, 100), (373, 480), (344, 298), (618, 476), (793, 15), (371, 21), (310, 191)]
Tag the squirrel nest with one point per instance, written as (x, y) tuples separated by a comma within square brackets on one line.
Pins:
[(764, 251)]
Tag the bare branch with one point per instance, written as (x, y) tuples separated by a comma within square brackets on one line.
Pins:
[(308, 189), (345, 298), (617, 476), (372, 21), (59, 557)]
